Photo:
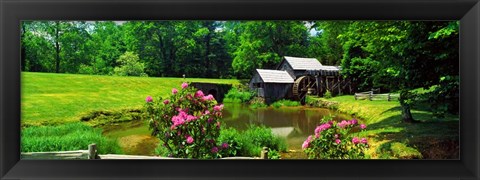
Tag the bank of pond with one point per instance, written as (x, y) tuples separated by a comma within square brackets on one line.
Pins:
[(282, 129)]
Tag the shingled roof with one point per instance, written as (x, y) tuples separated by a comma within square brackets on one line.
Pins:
[(274, 76), (298, 63), (330, 68)]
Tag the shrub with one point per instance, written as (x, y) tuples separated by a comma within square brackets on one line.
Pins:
[(327, 95), (285, 102), (67, 137), (130, 65), (187, 123), (237, 96), (256, 105), (251, 141), (333, 141)]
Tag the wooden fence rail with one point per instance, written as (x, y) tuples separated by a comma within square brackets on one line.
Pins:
[(91, 153), (371, 96)]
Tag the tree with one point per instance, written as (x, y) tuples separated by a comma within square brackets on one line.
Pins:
[(130, 65), (262, 44), (402, 55)]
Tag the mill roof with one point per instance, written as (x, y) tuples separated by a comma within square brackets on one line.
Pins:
[(274, 76), (299, 63)]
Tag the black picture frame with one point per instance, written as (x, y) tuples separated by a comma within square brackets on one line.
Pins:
[(13, 11)]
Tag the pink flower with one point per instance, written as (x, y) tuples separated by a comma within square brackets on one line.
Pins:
[(214, 150), (306, 143), (364, 141), (224, 145), (191, 118), (363, 126), (338, 141), (208, 98), (322, 128), (336, 136), (355, 140), (343, 124), (199, 94), (149, 99), (218, 125), (218, 107), (174, 91), (184, 85), (353, 121), (207, 112), (189, 139), (166, 101)]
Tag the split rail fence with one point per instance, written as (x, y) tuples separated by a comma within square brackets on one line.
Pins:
[(371, 96), (91, 153)]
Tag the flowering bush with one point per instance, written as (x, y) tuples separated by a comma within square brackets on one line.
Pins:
[(332, 140), (187, 123)]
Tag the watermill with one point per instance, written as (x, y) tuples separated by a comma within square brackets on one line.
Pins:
[(302, 86)]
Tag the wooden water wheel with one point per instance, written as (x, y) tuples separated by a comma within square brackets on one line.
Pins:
[(303, 86)]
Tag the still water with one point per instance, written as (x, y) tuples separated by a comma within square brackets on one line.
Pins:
[(293, 123)]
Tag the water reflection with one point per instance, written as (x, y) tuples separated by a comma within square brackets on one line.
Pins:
[(293, 123)]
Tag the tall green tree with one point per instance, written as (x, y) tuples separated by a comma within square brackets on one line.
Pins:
[(399, 55), (262, 44)]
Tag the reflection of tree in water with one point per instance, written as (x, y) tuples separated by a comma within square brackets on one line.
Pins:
[(301, 121)]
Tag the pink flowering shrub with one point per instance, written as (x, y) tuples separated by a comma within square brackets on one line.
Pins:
[(187, 123), (333, 140)]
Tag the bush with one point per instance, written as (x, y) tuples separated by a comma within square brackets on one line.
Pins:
[(327, 95), (235, 95), (251, 141), (85, 69), (187, 123), (67, 137), (285, 102), (130, 65), (333, 141)]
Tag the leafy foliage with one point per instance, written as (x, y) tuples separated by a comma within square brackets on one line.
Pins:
[(187, 123), (332, 140), (251, 141), (238, 96), (130, 65)]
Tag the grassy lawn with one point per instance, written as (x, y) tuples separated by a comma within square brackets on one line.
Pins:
[(433, 138), (51, 99)]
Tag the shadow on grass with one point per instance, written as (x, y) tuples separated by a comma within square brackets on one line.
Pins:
[(434, 139)]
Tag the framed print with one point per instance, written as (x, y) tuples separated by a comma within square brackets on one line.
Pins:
[(214, 89)]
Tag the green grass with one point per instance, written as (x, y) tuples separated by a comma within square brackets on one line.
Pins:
[(66, 137), (385, 125), (49, 99)]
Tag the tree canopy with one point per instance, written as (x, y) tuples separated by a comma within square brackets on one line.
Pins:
[(391, 55)]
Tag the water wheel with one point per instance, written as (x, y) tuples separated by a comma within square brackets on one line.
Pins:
[(303, 86)]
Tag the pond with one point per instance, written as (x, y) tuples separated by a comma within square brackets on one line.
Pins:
[(293, 123)]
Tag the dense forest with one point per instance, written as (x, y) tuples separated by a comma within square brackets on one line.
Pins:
[(392, 55)]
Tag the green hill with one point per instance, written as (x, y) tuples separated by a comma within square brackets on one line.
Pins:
[(49, 98)]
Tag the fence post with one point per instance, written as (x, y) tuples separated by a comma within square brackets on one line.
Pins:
[(355, 96), (92, 151), (370, 96), (389, 98), (264, 153)]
